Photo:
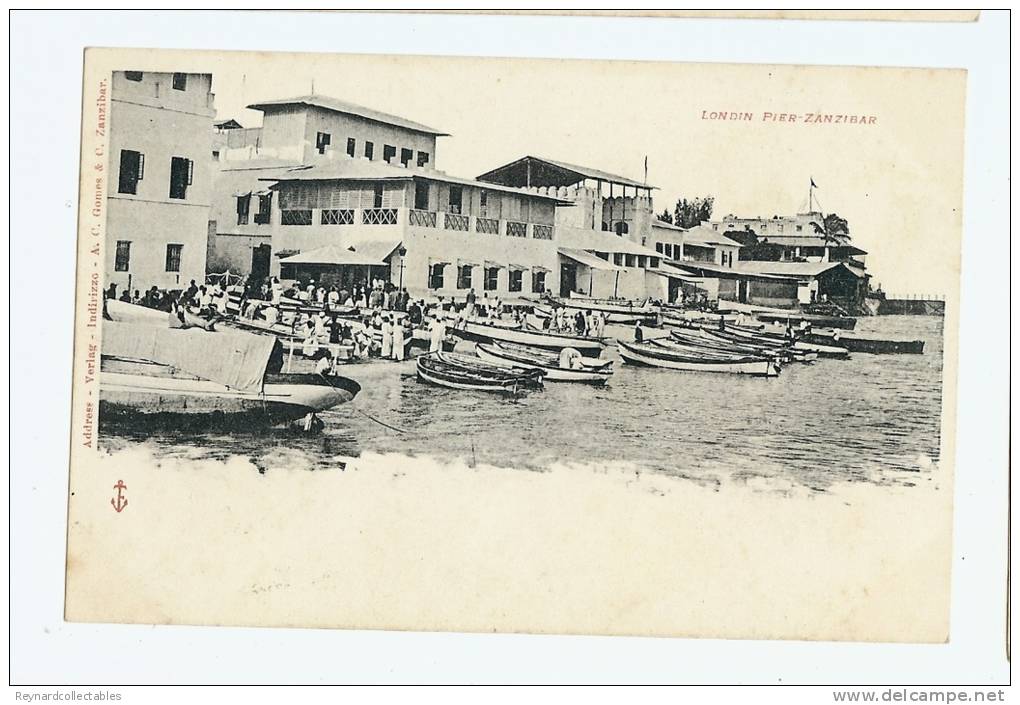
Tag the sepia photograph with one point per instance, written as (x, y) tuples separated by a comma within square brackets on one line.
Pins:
[(514, 347), (578, 327)]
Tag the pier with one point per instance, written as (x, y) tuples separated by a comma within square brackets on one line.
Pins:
[(913, 304)]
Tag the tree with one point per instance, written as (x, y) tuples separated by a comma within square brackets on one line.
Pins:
[(665, 217), (689, 214), (832, 228)]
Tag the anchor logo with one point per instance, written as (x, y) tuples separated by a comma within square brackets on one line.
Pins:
[(120, 501)]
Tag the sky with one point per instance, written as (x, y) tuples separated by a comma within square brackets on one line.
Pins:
[(897, 178)]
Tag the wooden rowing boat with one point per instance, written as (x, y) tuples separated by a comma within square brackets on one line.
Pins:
[(842, 322), (547, 362), (463, 372), (651, 355), (485, 333)]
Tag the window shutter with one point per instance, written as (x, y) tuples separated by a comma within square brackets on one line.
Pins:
[(191, 172), (141, 166)]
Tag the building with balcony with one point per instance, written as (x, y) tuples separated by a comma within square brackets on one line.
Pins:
[(605, 237), (797, 238), (161, 186), (354, 220), (303, 131)]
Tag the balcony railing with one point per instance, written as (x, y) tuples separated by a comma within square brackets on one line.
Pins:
[(422, 219), (296, 217), (515, 229), (454, 221), (337, 217), (541, 232), (489, 226), (379, 216)]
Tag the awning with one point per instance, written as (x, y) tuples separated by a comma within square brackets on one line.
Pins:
[(586, 258), (489, 264), (263, 192), (367, 252), (690, 279), (242, 194), (518, 267), (539, 268), (434, 262), (466, 263)]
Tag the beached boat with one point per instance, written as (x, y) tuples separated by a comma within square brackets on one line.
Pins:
[(616, 310), (651, 355), (842, 322), (152, 377), (485, 333), (515, 355), (463, 372)]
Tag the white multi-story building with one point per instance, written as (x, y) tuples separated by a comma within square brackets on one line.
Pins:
[(161, 179)]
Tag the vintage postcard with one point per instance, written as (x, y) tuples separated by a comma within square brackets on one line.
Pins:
[(515, 345)]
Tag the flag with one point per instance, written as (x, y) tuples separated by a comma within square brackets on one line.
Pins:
[(813, 184)]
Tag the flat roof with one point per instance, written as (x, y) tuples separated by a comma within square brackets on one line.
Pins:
[(346, 107), (539, 171), (703, 235), (793, 269)]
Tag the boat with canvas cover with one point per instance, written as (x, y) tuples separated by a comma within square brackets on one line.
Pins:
[(464, 372), (153, 377), (704, 340), (550, 363), (651, 355), (485, 333)]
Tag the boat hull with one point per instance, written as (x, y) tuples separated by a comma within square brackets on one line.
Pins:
[(589, 347), (165, 398), (552, 374), (754, 368)]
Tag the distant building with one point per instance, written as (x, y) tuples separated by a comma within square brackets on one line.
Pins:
[(797, 238), (297, 132), (604, 237), (161, 189)]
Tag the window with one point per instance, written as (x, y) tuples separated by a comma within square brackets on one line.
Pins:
[(491, 278), (406, 155), (377, 196), (388, 152), (799, 228), (173, 257), (123, 261), (653, 262), (243, 205), (423, 158), (456, 199), (322, 141), (483, 203), (216, 155), (265, 209), (182, 171), (132, 169), (538, 282), (622, 228), (436, 276), (516, 282), (659, 247), (421, 195), (369, 150), (352, 146), (133, 75), (779, 226), (180, 81), (296, 217), (464, 276)]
